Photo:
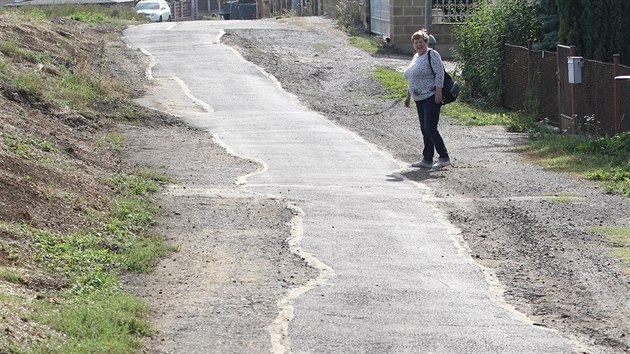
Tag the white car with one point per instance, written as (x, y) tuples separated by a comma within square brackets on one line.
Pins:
[(154, 10)]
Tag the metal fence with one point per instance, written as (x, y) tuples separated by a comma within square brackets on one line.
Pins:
[(183, 10), (599, 104), (450, 11)]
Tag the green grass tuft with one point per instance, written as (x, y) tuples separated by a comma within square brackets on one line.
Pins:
[(12, 275), (104, 322), (619, 238), (393, 81)]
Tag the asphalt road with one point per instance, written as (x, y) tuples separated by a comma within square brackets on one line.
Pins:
[(394, 276)]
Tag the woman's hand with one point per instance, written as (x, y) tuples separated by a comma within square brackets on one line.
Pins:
[(438, 95)]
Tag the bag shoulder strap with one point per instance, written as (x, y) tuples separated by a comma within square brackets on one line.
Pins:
[(429, 57)]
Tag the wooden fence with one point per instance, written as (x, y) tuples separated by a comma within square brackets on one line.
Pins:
[(599, 104)]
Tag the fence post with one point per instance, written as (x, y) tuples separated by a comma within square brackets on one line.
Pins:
[(573, 103), (615, 91), (529, 62), (502, 68)]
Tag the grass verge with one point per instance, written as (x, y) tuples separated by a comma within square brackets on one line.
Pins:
[(602, 159), (371, 44)]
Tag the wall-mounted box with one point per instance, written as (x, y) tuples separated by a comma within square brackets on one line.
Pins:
[(575, 69)]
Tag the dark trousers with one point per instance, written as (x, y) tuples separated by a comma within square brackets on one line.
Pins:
[(429, 115)]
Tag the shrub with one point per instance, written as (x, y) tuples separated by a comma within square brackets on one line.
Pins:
[(479, 41), (349, 16)]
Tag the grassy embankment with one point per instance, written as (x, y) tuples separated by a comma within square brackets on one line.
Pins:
[(60, 290)]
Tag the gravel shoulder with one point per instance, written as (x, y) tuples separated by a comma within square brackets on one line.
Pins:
[(528, 224)]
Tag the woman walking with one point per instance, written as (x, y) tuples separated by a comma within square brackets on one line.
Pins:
[(425, 79)]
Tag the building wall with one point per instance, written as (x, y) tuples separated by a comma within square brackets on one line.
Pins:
[(407, 16)]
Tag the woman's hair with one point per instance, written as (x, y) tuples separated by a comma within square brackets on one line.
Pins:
[(420, 34)]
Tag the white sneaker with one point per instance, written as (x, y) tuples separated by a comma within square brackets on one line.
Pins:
[(441, 163), (422, 164)]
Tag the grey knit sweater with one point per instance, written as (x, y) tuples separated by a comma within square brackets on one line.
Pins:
[(420, 78)]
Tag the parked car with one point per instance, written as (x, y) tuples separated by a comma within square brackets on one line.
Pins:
[(154, 10)]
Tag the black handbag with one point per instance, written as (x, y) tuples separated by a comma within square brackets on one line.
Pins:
[(450, 90)]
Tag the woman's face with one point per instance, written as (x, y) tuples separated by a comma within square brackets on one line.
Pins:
[(420, 45)]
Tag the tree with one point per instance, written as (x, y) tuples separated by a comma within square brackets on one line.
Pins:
[(597, 28), (548, 18)]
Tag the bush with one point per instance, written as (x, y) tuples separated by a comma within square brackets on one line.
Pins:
[(479, 41), (616, 146), (349, 16)]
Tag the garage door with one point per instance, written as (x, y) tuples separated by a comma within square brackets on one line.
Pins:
[(379, 17)]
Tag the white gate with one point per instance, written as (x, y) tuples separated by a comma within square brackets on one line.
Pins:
[(379, 17)]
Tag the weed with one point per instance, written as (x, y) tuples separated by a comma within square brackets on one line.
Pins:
[(619, 238), (88, 17), (143, 255), (103, 322), (15, 145), (90, 313), (136, 184), (13, 49), (617, 146), (25, 147), (589, 126), (616, 180), (561, 199), (372, 44), (467, 114), (88, 13), (30, 85), (112, 141), (153, 175), (12, 275), (78, 89)]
